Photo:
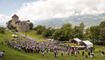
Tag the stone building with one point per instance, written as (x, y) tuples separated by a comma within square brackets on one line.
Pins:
[(21, 26)]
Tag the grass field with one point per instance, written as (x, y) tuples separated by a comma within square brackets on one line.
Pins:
[(6, 35), (34, 35), (13, 54)]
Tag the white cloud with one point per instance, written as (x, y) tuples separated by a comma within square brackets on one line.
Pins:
[(3, 20), (46, 9)]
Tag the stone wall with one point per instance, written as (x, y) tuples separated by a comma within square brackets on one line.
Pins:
[(21, 26)]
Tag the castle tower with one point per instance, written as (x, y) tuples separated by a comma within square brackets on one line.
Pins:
[(15, 18), (21, 26)]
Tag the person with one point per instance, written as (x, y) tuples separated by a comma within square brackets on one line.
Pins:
[(92, 55), (88, 53), (61, 53), (83, 53), (42, 51), (86, 56), (47, 50), (2, 53), (55, 53), (86, 49), (102, 53), (71, 52)]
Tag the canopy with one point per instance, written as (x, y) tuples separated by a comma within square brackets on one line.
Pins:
[(77, 39), (88, 43)]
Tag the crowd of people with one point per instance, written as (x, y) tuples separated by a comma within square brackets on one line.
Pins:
[(45, 47)]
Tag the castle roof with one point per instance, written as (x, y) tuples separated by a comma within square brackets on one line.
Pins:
[(15, 16)]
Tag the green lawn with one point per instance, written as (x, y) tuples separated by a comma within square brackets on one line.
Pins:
[(34, 35), (13, 54), (6, 36)]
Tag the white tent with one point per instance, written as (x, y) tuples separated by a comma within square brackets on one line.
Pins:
[(77, 40), (88, 43)]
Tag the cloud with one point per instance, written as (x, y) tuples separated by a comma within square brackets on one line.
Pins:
[(3, 20), (47, 9)]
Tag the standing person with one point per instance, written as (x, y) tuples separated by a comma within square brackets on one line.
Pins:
[(71, 52), (88, 53), (68, 51), (75, 53), (42, 52), (47, 50), (61, 53), (102, 53), (92, 55), (78, 52), (2, 53), (86, 57), (83, 53), (86, 50), (55, 53)]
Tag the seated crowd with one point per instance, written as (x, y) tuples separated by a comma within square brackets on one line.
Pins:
[(42, 47)]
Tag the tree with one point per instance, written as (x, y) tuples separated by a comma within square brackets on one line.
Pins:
[(2, 30), (63, 34), (87, 34), (48, 32), (102, 24), (40, 29), (95, 32), (82, 26), (102, 36), (31, 26), (10, 26), (59, 35), (77, 32), (67, 29)]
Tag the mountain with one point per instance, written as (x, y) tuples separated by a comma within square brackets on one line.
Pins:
[(88, 20)]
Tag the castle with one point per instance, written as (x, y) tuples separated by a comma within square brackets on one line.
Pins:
[(21, 26)]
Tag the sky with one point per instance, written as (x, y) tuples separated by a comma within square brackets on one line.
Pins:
[(47, 9), (7, 7)]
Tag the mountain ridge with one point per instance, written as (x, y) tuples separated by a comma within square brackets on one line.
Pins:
[(88, 20)]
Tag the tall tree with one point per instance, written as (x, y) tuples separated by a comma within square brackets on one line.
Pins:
[(31, 25), (94, 31), (68, 30), (48, 32), (63, 34), (59, 35), (40, 29), (87, 34), (78, 32), (102, 36), (82, 26), (102, 24)]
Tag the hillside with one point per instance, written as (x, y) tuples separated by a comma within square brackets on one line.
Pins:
[(14, 54)]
